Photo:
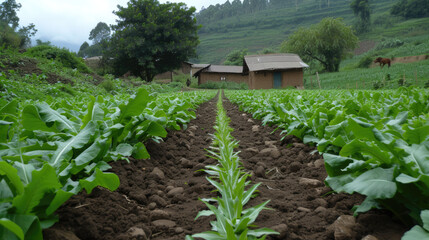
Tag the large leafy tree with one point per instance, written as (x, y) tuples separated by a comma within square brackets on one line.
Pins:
[(151, 38), (362, 10), (236, 57), (327, 42), (411, 8), (99, 33), (8, 14)]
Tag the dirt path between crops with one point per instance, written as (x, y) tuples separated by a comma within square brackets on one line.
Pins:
[(158, 198)]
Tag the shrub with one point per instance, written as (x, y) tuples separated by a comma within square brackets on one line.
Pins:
[(391, 43), (224, 85), (364, 62), (63, 56), (108, 85)]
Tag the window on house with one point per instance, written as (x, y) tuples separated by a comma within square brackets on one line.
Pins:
[(223, 78)]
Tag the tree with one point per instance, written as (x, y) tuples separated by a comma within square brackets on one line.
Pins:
[(236, 57), (8, 14), (362, 10), (326, 42), (411, 8), (40, 42), (26, 33), (152, 38), (99, 33), (82, 49)]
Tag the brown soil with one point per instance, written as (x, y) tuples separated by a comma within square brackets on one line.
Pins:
[(159, 196), (364, 46), (29, 66)]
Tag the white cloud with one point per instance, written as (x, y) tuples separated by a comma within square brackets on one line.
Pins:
[(71, 21)]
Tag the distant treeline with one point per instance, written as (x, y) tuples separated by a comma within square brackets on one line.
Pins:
[(236, 7)]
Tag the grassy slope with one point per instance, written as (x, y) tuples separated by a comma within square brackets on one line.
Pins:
[(268, 28)]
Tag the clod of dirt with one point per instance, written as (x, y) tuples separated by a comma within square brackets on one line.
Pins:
[(282, 229), (137, 233), (59, 234), (319, 163), (344, 227), (271, 152), (295, 166), (162, 223), (260, 172), (186, 163), (321, 202), (159, 214), (310, 182), (255, 128), (175, 191), (157, 173), (369, 237), (303, 209), (158, 200)]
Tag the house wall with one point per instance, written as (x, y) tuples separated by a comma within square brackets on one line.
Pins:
[(216, 77), (186, 68), (265, 79)]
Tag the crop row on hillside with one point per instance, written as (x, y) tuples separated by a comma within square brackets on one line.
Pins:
[(50, 152), (373, 143)]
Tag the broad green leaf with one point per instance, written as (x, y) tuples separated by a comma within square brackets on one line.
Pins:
[(99, 178), (43, 181), (94, 113), (135, 105), (416, 233), (50, 115), (12, 178), (92, 152), (76, 142), (376, 183), (156, 130), (424, 215), (140, 151), (11, 226), (10, 109), (32, 121), (61, 197)]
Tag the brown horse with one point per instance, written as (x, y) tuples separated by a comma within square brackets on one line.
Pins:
[(383, 61)]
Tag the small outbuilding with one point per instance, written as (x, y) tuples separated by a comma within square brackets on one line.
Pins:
[(274, 71), (217, 73)]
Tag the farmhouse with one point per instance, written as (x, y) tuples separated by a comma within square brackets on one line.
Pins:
[(259, 71), (216, 73)]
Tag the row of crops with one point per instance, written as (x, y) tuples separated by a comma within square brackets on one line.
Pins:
[(233, 221), (50, 151), (375, 143)]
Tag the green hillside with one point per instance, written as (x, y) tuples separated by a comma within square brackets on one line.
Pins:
[(269, 27)]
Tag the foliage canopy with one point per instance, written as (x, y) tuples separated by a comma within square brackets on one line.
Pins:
[(362, 10), (326, 42), (152, 38), (236, 57)]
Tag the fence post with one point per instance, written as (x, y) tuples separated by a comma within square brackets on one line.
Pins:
[(318, 80), (415, 76)]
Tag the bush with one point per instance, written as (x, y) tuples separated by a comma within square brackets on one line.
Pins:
[(108, 85), (63, 56), (364, 62), (391, 43)]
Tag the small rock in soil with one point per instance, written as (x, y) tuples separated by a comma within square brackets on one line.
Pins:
[(137, 233), (157, 173), (303, 209), (158, 200), (186, 163), (168, 188), (260, 172), (295, 166), (270, 144), (343, 227), (310, 182), (321, 202), (175, 191), (193, 128), (151, 206), (299, 145), (178, 230), (138, 196), (255, 128), (159, 214), (270, 152), (369, 237), (250, 120), (320, 209), (164, 223), (282, 229), (319, 163)]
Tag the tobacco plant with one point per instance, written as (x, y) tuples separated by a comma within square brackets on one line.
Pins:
[(233, 221)]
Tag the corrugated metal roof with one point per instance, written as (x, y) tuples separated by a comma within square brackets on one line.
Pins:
[(273, 61), (200, 65), (224, 69)]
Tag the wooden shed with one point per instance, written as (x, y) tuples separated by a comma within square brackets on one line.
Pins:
[(217, 73), (278, 70)]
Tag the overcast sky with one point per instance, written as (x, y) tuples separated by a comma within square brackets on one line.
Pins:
[(68, 22)]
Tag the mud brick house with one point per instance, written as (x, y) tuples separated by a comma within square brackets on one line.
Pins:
[(259, 71), (274, 71), (216, 73)]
